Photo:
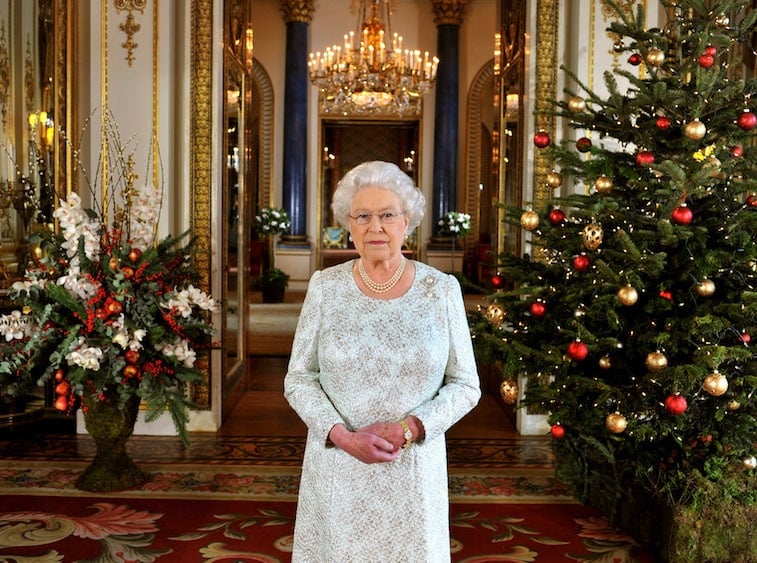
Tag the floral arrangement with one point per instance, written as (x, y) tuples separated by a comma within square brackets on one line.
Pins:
[(272, 221), (108, 311), (455, 224)]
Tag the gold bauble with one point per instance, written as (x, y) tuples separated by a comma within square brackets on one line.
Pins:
[(628, 295), (722, 21), (592, 236), (715, 384), (695, 130), (38, 252), (495, 314), (705, 288), (734, 405), (509, 391), (655, 57), (576, 104), (749, 462), (616, 422), (529, 220), (554, 179), (603, 184), (605, 362), (656, 361)]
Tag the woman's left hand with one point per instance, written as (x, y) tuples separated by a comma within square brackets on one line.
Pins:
[(389, 431)]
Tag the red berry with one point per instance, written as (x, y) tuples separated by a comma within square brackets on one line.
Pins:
[(676, 404), (577, 350), (746, 120), (538, 309), (541, 139), (557, 431), (682, 215)]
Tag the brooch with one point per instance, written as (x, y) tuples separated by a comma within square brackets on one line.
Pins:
[(429, 282)]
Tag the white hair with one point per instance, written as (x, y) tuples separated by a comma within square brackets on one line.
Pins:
[(379, 174)]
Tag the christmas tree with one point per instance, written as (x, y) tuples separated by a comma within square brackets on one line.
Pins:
[(632, 312)]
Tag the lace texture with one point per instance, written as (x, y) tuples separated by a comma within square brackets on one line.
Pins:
[(359, 360)]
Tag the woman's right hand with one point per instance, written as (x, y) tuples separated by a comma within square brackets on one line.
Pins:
[(364, 446)]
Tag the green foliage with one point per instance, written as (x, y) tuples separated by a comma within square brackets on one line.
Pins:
[(666, 261)]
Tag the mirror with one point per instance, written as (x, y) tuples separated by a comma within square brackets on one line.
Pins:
[(237, 170), (35, 72)]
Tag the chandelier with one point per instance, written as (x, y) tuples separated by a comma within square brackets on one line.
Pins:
[(366, 76)]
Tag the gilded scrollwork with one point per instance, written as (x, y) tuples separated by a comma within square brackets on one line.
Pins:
[(297, 10), (449, 11), (130, 26)]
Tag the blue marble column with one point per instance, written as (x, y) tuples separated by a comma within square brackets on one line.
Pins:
[(297, 16), (448, 17)]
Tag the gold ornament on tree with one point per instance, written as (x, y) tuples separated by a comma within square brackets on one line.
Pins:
[(554, 179), (603, 184), (628, 295), (715, 384), (655, 57), (616, 422), (592, 236), (529, 220), (705, 288), (695, 130), (605, 362), (495, 314), (576, 104), (509, 391), (749, 462), (656, 361)]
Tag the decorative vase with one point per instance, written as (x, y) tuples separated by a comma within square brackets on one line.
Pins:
[(110, 427)]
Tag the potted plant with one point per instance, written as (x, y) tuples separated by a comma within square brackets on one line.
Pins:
[(272, 221)]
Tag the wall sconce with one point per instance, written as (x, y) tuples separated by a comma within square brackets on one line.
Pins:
[(328, 159), (409, 161)]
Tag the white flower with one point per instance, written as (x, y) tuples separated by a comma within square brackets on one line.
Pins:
[(87, 357), (183, 301), (179, 349), (15, 326)]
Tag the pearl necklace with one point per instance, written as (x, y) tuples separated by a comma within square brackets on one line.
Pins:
[(381, 287)]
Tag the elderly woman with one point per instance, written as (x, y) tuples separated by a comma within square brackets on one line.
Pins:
[(382, 365)]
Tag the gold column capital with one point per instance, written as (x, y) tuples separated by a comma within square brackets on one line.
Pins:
[(297, 10), (449, 11)]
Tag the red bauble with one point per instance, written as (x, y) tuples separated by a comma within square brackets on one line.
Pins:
[(127, 272), (682, 215), (706, 60), (557, 431), (60, 375), (582, 263), (662, 123), (538, 309), (737, 151), (745, 338), (556, 216), (751, 201), (711, 50), (665, 294), (635, 59), (130, 371), (583, 144), (113, 307), (498, 282), (577, 350), (541, 139), (645, 158), (676, 404), (746, 120)]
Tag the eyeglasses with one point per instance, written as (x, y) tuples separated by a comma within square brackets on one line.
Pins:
[(385, 217)]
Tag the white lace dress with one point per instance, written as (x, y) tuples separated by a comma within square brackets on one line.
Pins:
[(359, 360)]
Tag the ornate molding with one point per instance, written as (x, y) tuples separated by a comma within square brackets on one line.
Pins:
[(546, 90), (201, 113), (449, 12), (297, 10), (264, 88), (130, 27)]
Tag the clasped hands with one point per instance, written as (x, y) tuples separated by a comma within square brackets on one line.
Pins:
[(379, 442)]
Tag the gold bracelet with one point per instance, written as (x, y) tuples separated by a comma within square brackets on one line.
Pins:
[(407, 434)]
